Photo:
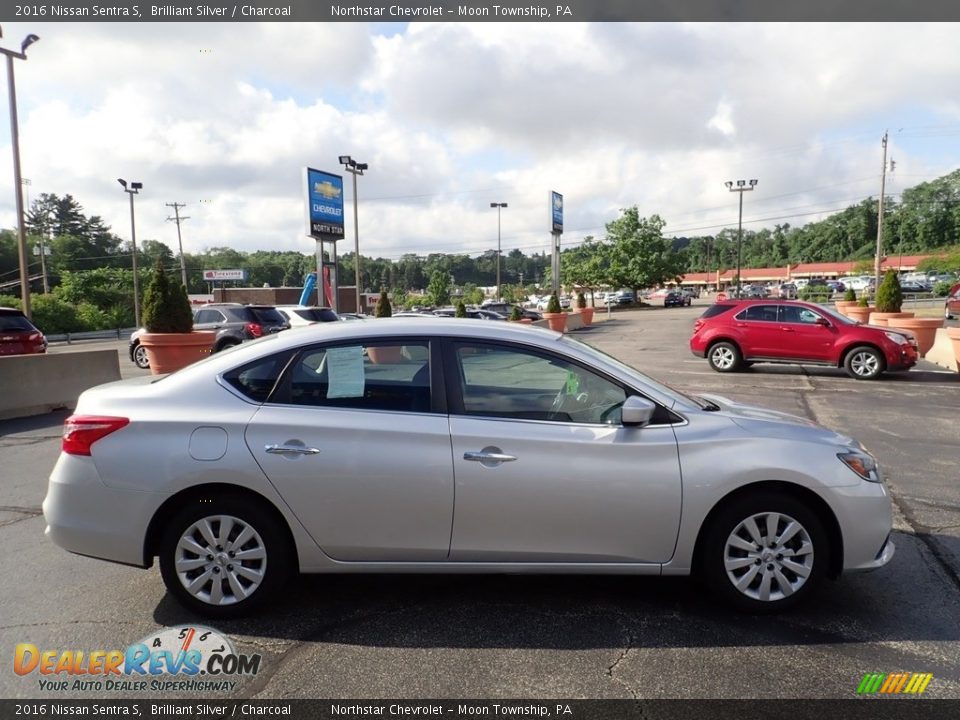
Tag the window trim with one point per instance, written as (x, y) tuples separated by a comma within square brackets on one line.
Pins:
[(781, 316)]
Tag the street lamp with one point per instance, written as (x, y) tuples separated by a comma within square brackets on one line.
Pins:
[(498, 206), (355, 168), (134, 189), (741, 187), (17, 184)]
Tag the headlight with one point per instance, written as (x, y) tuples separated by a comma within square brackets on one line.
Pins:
[(862, 463), (897, 338)]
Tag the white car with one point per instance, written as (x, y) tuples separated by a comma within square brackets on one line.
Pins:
[(301, 315), (453, 446)]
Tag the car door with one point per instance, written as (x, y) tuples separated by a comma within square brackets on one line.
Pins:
[(756, 328), (545, 472), (805, 334), (354, 442)]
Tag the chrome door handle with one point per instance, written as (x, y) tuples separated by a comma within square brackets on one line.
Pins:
[(787, 329), (489, 457), (295, 449)]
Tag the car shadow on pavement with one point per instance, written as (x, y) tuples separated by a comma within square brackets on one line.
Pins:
[(582, 611), (33, 423)]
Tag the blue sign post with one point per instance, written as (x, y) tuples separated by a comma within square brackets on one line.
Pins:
[(324, 205), (556, 230)]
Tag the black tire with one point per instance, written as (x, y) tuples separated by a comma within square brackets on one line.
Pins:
[(268, 539), (225, 344), (776, 567), (139, 357), (864, 363), (725, 357), (946, 312)]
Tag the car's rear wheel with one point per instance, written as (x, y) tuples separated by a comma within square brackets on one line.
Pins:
[(946, 313), (223, 557), (864, 363), (140, 358), (764, 552), (725, 357), (225, 344)]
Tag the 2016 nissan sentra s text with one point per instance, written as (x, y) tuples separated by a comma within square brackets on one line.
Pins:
[(390, 446)]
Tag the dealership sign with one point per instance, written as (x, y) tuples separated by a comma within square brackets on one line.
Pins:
[(224, 275), (324, 205), (556, 212)]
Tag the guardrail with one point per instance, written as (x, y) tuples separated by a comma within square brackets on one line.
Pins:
[(69, 338)]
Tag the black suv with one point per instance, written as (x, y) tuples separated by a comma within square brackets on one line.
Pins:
[(235, 323)]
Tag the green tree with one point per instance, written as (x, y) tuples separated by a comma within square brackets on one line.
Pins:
[(439, 288), (889, 294), (636, 254), (461, 310), (166, 308), (384, 309)]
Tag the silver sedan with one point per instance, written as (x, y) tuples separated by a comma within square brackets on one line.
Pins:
[(453, 446)]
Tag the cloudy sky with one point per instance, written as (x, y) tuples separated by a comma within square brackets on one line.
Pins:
[(452, 117)]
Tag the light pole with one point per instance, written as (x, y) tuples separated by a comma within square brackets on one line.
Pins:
[(17, 184), (134, 189), (741, 187), (355, 168), (499, 206)]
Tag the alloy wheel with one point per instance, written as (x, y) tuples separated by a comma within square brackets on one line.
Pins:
[(723, 357), (864, 363)]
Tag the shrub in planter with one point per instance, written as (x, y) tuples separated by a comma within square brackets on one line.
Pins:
[(384, 309), (553, 304), (850, 295), (461, 310), (941, 289), (581, 301), (586, 313), (515, 314), (864, 300), (169, 339), (889, 294), (555, 315)]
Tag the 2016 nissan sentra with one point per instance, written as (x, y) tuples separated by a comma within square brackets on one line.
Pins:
[(453, 446)]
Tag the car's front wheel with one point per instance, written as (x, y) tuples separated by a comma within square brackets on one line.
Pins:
[(223, 557), (764, 552), (725, 357), (864, 363)]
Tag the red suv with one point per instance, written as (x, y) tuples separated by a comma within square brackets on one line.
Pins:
[(951, 308), (19, 336), (737, 333)]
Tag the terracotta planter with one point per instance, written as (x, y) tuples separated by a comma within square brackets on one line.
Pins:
[(875, 316), (925, 330), (587, 315), (385, 354), (523, 321), (877, 322), (557, 321), (843, 305), (169, 352), (954, 335), (860, 314)]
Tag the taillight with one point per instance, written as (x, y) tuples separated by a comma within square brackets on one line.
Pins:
[(255, 329), (80, 432), (697, 325)]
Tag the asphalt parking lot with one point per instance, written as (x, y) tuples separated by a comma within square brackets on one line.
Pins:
[(569, 637)]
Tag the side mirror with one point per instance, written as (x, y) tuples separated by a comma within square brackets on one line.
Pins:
[(637, 411), (823, 321)]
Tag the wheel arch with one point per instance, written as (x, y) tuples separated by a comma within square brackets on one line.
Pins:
[(201, 493), (723, 338), (816, 504)]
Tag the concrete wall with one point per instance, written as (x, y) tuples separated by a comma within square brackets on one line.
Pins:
[(36, 384)]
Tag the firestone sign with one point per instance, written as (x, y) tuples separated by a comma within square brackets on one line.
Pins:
[(213, 275)]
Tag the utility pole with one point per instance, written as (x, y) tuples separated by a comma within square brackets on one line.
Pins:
[(176, 211), (883, 185)]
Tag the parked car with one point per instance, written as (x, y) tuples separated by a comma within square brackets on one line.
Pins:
[(463, 449), (235, 323), (300, 315), (472, 313), (691, 292), (675, 299), (836, 286), (951, 306), (136, 351), (625, 297), (735, 334), (913, 288), (506, 309), (19, 336), (787, 291)]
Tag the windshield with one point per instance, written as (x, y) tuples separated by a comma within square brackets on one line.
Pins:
[(836, 316), (317, 314)]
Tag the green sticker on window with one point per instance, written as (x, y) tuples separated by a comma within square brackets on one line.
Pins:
[(573, 383)]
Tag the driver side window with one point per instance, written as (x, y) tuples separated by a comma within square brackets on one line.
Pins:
[(516, 383)]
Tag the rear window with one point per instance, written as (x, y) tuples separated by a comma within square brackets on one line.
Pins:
[(268, 316), (11, 322), (255, 380), (716, 309), (316, 314)]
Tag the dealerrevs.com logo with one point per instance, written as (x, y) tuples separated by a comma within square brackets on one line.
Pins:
[(177, 659)]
